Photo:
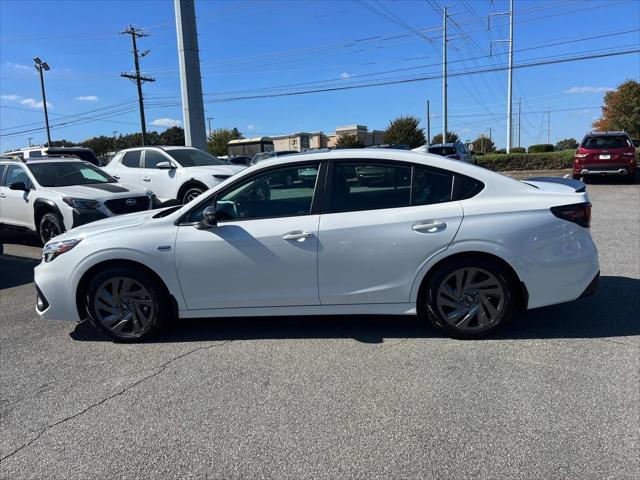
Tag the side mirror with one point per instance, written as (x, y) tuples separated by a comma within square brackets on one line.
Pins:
[(209, 218), (18, 186), (165, 166)]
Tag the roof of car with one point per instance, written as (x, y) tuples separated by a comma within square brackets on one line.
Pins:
[(450, 144), (41, 159), (162, 147)]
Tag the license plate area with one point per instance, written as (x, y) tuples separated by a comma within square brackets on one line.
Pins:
[(605, 157)]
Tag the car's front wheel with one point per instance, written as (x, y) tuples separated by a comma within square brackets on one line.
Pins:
[(468, 298), (50, 226), (191, 193), (127, 304)]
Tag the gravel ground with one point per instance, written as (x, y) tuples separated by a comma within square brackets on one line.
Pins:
[(555, 395)]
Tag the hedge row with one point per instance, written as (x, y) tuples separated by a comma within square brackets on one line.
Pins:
[(527, 161), (531, 161)]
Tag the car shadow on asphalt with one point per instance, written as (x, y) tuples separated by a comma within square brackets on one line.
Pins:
[(16, 271), (611, 312)]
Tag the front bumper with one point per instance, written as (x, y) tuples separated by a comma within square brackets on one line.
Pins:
[(55, 297)]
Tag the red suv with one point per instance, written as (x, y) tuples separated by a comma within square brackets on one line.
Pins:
[(605, 153)]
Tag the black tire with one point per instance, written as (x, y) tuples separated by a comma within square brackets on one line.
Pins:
[(430, 304), (128, 325), (191, 193), (629, 178), (50, 226), (576, 177)]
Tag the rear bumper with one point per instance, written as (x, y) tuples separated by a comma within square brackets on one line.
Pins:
[(614, 169), (596, 171)]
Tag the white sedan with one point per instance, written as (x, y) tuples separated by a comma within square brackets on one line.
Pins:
[(456, 244)]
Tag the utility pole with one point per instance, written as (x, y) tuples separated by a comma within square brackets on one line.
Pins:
[(44, 67), (510, 74), (444, 75), (29, 139), (428, 125), (209, 124), (136, 77), (548, 125), (190, 81), (519, 110), (490, 133)]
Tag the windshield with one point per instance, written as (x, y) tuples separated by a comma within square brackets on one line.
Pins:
[(191, 157), (603, 142), (65, 174)]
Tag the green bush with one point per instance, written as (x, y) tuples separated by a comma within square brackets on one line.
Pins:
[(543, 147), (501, 150), (527, 161), (518, 150)]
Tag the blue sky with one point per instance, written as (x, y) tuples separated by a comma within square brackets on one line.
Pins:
[(251, 48)]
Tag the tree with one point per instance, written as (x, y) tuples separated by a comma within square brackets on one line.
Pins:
[(101, 145), (567, 144), (62, 143), (219, 139), (621, 109), (349, 140), (483, 144), (452, 137), (173, 136), (405, 131)]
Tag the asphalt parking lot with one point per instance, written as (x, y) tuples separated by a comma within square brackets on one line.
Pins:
[(555, 395)]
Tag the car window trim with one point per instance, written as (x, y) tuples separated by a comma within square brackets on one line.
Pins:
[(315, 201)]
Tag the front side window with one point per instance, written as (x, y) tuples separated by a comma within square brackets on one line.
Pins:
[(16, 174), (282, 192), (369, 186), (64, 174), (152, 158), (192, 157), (131, 159)]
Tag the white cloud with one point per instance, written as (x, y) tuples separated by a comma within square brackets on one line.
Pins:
[(166, 122), (20, 67), (251, 126), (30, 102), (588, 90), (87, 98), (345, 75)]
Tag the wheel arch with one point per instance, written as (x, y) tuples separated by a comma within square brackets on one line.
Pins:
[(522, 294), (192, 182), (41, 206), (81, 290)]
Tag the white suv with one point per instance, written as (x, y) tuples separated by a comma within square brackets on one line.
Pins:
[(50, 196), (173, 173)]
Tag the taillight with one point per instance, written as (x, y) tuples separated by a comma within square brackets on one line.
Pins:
[(580, 153), (579, 213)]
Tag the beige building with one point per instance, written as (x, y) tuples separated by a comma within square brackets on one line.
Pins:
[(302, 141)]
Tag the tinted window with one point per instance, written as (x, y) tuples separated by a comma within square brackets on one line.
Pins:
[(277, 193), (16, 174), (64, 174), (442, 151), (192, 157), (431, 186), (603, 142), (152, 158), (369, 186), (131, 159), (469, 187), (1, 171), (35, 154)]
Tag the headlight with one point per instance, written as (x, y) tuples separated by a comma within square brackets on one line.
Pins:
[(80, 202), (54, 249)]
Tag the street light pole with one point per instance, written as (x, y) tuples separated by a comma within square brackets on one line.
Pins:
[(209, 124), (43, 66)]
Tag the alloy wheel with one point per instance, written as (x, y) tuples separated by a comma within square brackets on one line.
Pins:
[(125, 307), (470, 299), (48, 230)]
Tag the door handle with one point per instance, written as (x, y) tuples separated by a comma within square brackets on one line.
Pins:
[(2, 195), (429, 227), (298, 235), (146, 179)]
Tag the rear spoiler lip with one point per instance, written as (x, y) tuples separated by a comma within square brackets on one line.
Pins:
[(577, 185)]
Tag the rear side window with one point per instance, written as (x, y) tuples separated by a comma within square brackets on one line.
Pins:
[(602, 142), (468, 187), (131, 159), (369, 186), (431, 186)]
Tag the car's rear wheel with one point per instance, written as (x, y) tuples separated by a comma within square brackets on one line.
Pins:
[(629, 178), (50, 226), (127, 304), (468, 298), (191, 193)]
